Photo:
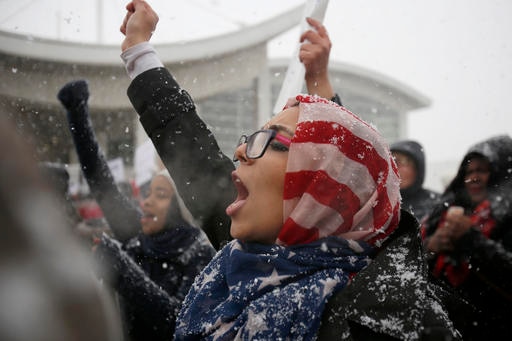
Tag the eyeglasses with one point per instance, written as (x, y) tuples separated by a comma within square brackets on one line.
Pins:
[(258, 142)]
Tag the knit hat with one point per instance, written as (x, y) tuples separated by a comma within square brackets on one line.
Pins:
[(341, 179)]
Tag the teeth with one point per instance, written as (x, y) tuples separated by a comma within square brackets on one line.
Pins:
[(238, 180), (155, 218)]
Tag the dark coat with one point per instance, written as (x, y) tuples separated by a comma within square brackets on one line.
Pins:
[(488, 289), (150, 273), (416, 199), (392, 298), (183, 141), (120, 211), (152, 277)]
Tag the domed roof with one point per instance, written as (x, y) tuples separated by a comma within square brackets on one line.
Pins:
[(88, 31)]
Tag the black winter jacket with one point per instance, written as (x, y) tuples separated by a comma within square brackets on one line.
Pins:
[(152, 277), (488, 289), (183, 141), (120, 211), (392, 298), (144, 270), (416, 199)]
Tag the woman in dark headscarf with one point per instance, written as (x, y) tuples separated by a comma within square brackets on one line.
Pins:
[(469, 239)]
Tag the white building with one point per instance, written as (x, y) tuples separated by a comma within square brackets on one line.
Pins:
[(222, 63)]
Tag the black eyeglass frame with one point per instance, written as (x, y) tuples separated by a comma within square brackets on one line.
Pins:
[(270, 134)]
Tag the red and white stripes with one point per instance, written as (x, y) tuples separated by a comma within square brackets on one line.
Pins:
[(340, 180)]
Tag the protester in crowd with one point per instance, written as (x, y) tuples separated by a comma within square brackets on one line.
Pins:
[(469, 238), (167, 253), (47, 287), (410, 159), (316, 205)]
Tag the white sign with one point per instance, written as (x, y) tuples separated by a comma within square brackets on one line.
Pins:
[(294, 78), (117, 168), (144, 163)]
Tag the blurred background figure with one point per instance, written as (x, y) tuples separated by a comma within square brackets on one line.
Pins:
[(469, 240), (47, 287), (410, 159)]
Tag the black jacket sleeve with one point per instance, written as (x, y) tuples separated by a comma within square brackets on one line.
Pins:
[(121, 213), (188, 149), (148, 308)]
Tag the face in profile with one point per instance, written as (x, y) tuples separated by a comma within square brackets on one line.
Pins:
[(477, 172), (257, 212), (406, 169), (156, 205)]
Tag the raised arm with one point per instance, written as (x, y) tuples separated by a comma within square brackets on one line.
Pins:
[(314, 54), (121, 213), (186, 146)]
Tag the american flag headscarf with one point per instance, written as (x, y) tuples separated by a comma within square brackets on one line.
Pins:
[(341, 179), (341, 199)]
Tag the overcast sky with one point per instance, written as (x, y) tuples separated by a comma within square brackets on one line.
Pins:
[(458, 53)]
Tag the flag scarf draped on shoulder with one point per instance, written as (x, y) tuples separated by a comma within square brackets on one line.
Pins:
[(246, 290), (341, 179)]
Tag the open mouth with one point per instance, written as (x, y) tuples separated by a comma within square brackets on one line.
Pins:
[(241, 198), (148, 217)]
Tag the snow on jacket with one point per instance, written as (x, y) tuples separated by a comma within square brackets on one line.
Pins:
[(392, 298)]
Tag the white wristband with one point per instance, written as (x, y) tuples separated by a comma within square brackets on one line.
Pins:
[(140, 58)]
